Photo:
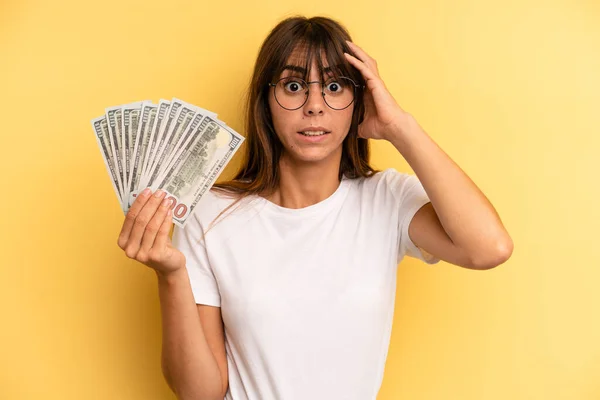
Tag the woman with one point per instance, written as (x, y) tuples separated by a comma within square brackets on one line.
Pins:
[(291, 293)]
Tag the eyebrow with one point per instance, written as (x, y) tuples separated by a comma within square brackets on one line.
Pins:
[(302, 70)]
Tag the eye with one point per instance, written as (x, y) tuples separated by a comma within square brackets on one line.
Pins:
[(293, 85), (334, 87)]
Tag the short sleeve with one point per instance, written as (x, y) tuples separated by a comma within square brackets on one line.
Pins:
[(190, 242), (411, 196)]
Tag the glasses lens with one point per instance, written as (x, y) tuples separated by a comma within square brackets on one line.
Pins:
[(291, 92), (339, 92)]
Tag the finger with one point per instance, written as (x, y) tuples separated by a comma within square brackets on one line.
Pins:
[(131, 215), (363, 56), (154, 226), (163, 233), (141, 221), (361, 66)]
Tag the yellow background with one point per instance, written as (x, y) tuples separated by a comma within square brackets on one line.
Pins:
[(511, 90)]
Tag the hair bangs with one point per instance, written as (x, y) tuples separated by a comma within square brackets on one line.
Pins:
[(315, 41)]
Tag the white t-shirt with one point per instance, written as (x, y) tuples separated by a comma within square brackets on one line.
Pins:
[(306, 295)]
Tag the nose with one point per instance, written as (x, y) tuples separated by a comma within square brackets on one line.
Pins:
[(315, 104)]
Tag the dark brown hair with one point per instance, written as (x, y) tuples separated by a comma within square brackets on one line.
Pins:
[(259, 172)]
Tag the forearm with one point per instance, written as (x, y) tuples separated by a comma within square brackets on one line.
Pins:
[(187, 361), (465, 213)]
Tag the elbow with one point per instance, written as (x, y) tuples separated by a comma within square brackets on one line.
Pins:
[(167, 375), (194, 393), (495, 256), (194, 390), (188, 396)]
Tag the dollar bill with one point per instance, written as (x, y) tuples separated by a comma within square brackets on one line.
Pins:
[(131, 114), (163, 107), (163, 134), (186, 114), (198, 166), (181, 121), (147, 116), (115, 141), (100, 127), (196, 129), (166, 131), (192, 129)]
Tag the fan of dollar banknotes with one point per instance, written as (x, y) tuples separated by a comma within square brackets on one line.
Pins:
[(174, 146)]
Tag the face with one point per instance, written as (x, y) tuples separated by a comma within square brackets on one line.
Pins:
[(314, 114)]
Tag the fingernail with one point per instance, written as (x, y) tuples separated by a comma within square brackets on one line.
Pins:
[(146, 192), (165, 202), (159, 193)]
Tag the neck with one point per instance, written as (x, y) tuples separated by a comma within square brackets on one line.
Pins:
[(303, 184)]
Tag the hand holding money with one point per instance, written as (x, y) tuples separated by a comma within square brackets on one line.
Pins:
[(145, 233), (172, 145)]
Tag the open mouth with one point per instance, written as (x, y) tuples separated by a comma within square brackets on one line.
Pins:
[(314, 133)]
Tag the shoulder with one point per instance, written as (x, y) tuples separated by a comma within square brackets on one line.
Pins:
[(388, 182)]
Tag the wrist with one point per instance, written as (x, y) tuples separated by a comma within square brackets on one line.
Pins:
[(172, 275), (402, 129)]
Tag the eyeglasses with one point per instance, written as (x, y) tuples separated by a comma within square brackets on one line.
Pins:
[(291, 92)]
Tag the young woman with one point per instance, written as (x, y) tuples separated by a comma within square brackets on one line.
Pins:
[(282, 284)]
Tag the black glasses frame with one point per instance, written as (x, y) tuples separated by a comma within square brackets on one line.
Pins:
[(355, 88)]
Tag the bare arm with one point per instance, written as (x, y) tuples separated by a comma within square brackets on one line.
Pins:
[(193, 353), (460, 225), (193, 350)]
